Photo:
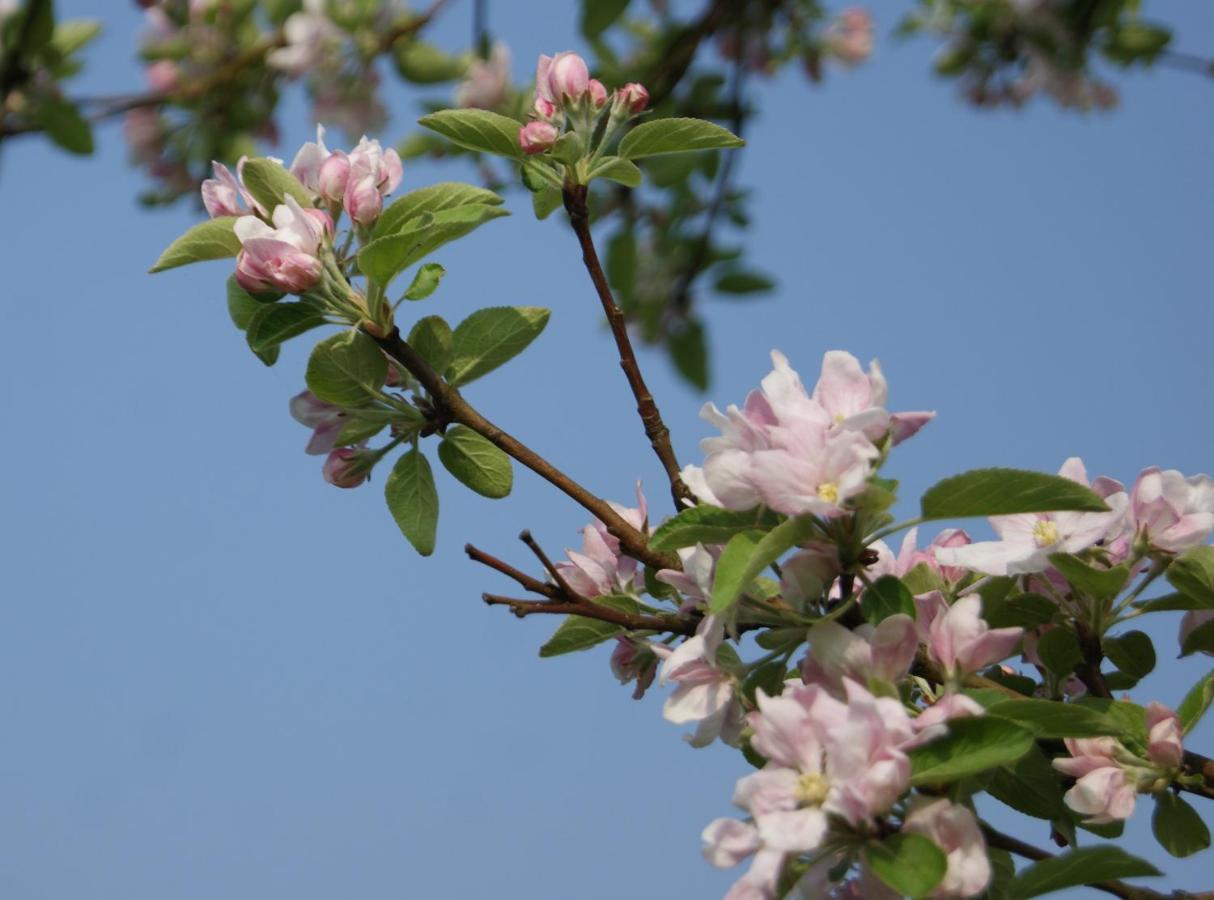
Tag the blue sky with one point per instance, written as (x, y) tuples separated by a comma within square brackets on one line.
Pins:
[(223, 677)]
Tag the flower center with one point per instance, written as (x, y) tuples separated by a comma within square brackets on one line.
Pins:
[(812, 789), (1045, 533), (828, 492)]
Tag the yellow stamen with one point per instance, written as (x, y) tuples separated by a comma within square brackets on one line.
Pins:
[(812, 789), (828, 492), (1045, 533)]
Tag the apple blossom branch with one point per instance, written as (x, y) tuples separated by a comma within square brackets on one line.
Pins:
[(453, 407), (651, 417)]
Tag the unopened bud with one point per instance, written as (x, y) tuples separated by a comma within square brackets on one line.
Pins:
[(598, 93), (536, 137), (346, 467), (634, 96)]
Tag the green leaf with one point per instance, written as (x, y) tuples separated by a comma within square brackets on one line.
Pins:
[(1135, 41), (689, 351), (1031, 786), (386, 257), (745, 557), (475, 462), (242, 305), (491, 337), (425, 282), (413, 500), (614, 168), (909, 863), (63, 124), (423, 63), (477, 129), (1196, 702), (431, 337), (432, 199), (39, 26), (1132, 653), (276, 323), (972, 745), (346, 369), (675, 136), (1177, 826), (1059, 651), (568, 149), (1098, 583), (1024, 610), (1002, 492), (1054, 719), (1199, 640), (546, 202), (1130, 717), (74, 34), (599, 15), (269, 182), (212, 239), (708, 525), (1083, 865), (742, 282), (887, 597), (1192, 573), (1170, 603), (579, 633)]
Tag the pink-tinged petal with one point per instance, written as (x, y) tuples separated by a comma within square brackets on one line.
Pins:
[(785, 732), (954, 829), (948, 707), (760, 882), (988, 557), (1087, 755), (792, 831), (843, 389), (1102, 796), (1074, 470), (694, 702), (1190, 530), (1164, 736), (905, 425), (769, 790), (894, 643), (727, 842)]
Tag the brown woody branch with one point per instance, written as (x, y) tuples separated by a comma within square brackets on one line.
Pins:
[(454, 408), (647, 408)]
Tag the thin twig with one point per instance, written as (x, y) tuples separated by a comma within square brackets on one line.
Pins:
[(651, 417), (451, 404), (555, 573), (526, 581), (664, 622)]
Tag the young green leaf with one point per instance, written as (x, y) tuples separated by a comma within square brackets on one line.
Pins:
[(741, 282), (432, 199), (745, 557), (1001, 492), (1199, 640), (1031, 786), (1059, 651), (909, 863), (1082, 865), (971, 746), (386, 257), (346, 369), (425, 282), (1100, 584), (546, 202), (888, 596), (1192, 573), (676, 136), (477, 129), (1051, 719), (269, 183), (1177, 826), (599, 15), (580, 633), (275, 323), (1132, 653), (63, 124), (709, 525), (431, 337), (413, 500), (212, 239), (491, 337), (1196, 702), (617, 169), (475, 462)]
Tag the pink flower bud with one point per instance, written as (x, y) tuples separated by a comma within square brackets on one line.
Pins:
[(545, 108), (536, 137), (598, 93), (345, 468), (332, 177), (1164, 741), (266, 265), (634, 96), (163, 75), (567, 76), (363, 200)]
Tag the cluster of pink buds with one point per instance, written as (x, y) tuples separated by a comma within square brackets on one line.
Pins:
[(565, 93), (356, 181), (284, 257)]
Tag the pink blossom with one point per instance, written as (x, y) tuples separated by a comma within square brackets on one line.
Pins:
[(883, 652), (282, 258), (850, 36), (485, 85), (223, 194), (1102, 793), (561, 78), (694, 580), (309, 36), (346, 467), (1191, 621), (363, 201), (706, 693), (953, 829), (1027, 540), (959, 639), (633, 660), (325, 420), (1171, 512), (947, 708), (1164, 736), (805, 576), (536, 137), (601, 567), (598, 93), (857, 401), (813, 471), (633, 96)]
